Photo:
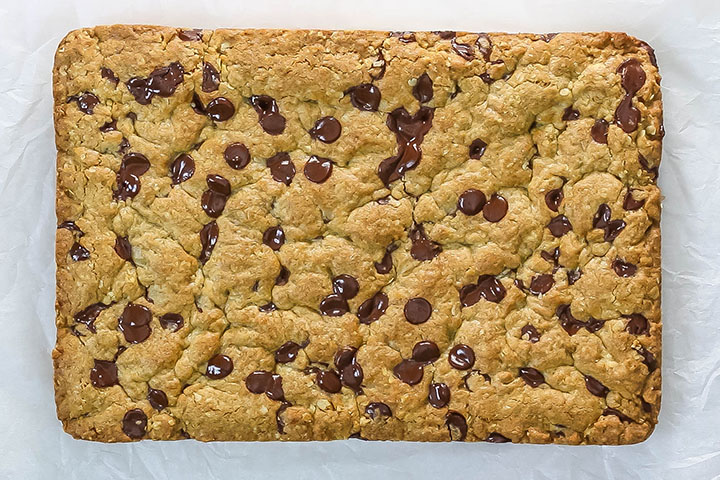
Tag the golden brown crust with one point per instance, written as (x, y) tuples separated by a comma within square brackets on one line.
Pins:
[(512, 94)]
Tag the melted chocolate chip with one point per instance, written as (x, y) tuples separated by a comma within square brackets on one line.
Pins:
[(282, 277), (269, 116), (648, 359), (439, 395), (287, 352), (377, 409), (124, 145), (495, 209), (599, 131), (602, 216), (627, 116), (422, 248), (532, 376), (278, 417), (134, 423), (373, 308), (624, 269), (404, 37), (326, 129), (629, 203), (79, 253), (268, 307), (595, 387), (257, 382), (568, 322), (593, 324), (163, 81), (89, 315), (345, 356), (463, 49), (194, 35), (365, 96), (220, 109), (132, 167), (570, 114), (573, 276), (487, 287), (104, 374), (318, 169), (109, 75), (423, 89), (425, 352), (623, 418), (484, 46), (457, 426), (182, 168), (346, 286), (471, 202), (632, 76), (417, 310), (552, 256), (328, 380), (172, 321), (197, 105), (210, 78), (495, 437), (237, 156), (208, 238), (637, 324), (554, 198), (541, 284), (352, 376), (219, 366), (215, 197), (409, 132), (157, 398), (531, 333), (477, 149), (461, 357), (409, 371), (281, 168), (134, 323), (85, 102), (109, 126), (334, 305), (613, 229), (123, 248), (559, 226), (653, 171), (274, 237), (385, 265), (70, 225)]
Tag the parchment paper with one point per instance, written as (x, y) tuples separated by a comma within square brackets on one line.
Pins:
[(686, 443)]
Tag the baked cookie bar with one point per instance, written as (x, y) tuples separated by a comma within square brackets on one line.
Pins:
[(317, 235)]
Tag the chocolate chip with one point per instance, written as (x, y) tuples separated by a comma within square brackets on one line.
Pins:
[(477, 149), (629, 203), (647, 408), (88, 315), (457, 426), (215, 197), (134, 323), (123, 248), (595, 387), (559, 226), (220, 109), (613, 229), (409, 371), (495, 437), (172, 321), (627, 116), (352, 376), (439, 395), (345, 356), (385, 265), (257, 382), (463, 49), (554, 198), (425, 352), (134, 423), (163, 81), (372, 308), (594, 324), (78, 253), (422, 248), (132, 167), (632, 75), (495, 209), (104, 374), (282, 277), (70, 225), (86, 102), (404, 37), (278, 417), (274, 237), (210, 78), (381, 64), (268, 307), (219, 366), (637, 324), (623, 418), (328, 380), (194, 35), (624, 269), (648, 359), (318, 169), (487, 287), (417, 310), (346, 286), (109, 75), (568, 322), (599, 131), (484, 46), (410, 131), (281, 168), (531, 332), (208, 238), (377, 409), (423, 89), (182, 169), (461, 357), (326, 129), (532, 376), (287, 352), (365, 96), (646, 166), (570, 114), (541, 284), (269, 116), (471, 202), (124, 145), (334, 305), (573, 276), (109, 126), (157, 398), (197, 105), (602, 216), (551, 257)]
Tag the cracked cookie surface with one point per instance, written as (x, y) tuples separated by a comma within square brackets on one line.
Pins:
[(316, 235)]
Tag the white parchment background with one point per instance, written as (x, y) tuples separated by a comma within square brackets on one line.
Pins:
[(686, 443)]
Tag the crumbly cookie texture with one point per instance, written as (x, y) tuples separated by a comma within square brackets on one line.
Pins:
[(317, 235)]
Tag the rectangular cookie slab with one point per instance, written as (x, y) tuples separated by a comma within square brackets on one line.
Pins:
[(316, 235)]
